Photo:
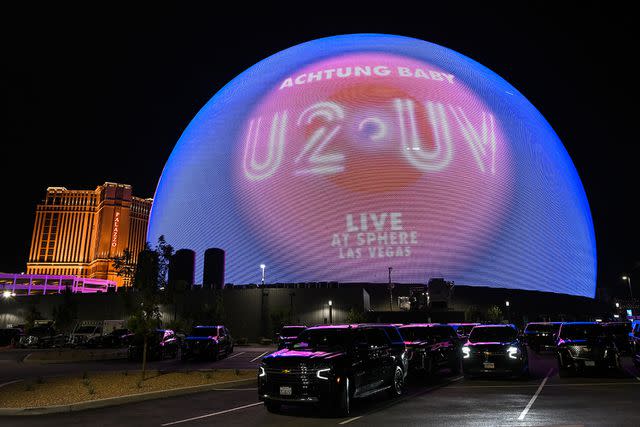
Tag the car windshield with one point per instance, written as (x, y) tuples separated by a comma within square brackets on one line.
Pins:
[(619, 328), (464, 329), (291, 331), (204, 332), (541, 327), (492, 334), (425, 333), (323, 339), (581, 331)]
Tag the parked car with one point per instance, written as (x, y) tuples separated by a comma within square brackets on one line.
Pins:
[(585, 345), (463, 329), (115, 339), (635, 337), (9, 336), (42, 336), (209, 342), (288, 334), (541, 335), (83, 332), (330, 365), (495, 350), (619, 332), (431, 347), (162, 344)]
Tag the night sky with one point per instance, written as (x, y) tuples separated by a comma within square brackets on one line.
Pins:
[(95, 96)]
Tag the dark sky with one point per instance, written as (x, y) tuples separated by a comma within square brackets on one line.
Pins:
[(95, 95)]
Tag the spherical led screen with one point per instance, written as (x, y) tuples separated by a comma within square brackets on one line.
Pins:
[(338, 158)]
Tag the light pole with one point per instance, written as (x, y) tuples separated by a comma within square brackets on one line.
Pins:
[(390, 291), (507, 304), (628, 279), (330, 312), (262, 267)]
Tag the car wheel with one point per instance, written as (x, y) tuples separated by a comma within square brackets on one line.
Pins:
[(272, 406), (215, 353), (398, 382), (455, 366), (344, 404)]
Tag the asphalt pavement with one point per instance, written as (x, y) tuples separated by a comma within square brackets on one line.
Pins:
[(542, 400)]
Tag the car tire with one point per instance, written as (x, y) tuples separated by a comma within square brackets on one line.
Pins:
[(343, 408), (397, 385), (215, 354), (455, 366), (564, 372), (273, 407)]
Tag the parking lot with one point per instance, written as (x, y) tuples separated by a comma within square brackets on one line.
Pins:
[(544, 399)]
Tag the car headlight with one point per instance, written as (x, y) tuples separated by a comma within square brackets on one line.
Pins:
[(513, 352), (466, 352), (261, 372), (322, 373)]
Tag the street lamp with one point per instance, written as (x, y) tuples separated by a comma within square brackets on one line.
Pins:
[(617, 305), (628, 279), (262, 267), (330, 312), (506, 303), (7, 294)]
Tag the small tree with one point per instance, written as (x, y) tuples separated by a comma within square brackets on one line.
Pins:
[(125, 267), (356, 316), (494, 314), (148, 277)]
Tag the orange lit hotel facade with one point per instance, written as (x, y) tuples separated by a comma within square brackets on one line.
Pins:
[(78, 232)]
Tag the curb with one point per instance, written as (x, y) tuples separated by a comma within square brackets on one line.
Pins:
[(114, 355), (121, 400)]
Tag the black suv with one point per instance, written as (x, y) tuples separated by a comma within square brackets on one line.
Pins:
[(495, 349), (330, 365), (207, 342), (585, 345), (620, 332), (288, 334), (431, 347), (541, 335)]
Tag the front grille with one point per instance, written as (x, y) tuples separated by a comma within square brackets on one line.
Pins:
[(302, 380)]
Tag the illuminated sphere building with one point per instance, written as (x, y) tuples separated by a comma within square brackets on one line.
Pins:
[(338, 158)]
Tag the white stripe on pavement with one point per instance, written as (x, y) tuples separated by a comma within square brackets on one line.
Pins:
[(235, 355), (535, 396), (10, 382), (350, 419), (211, 415), (253, 360)]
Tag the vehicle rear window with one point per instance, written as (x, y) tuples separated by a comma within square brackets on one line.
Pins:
[(492, 334)]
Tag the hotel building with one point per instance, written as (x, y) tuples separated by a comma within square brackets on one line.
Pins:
[(79, 232)]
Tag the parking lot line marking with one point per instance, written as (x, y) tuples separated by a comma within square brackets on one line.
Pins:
[(235, 355), (535, 396), (347, 421), (632, 374), (253, 360), (615, 383), (211, 415)]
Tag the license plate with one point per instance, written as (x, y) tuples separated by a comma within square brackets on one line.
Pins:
[(489, 365), (285, 391), (589, 363)]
